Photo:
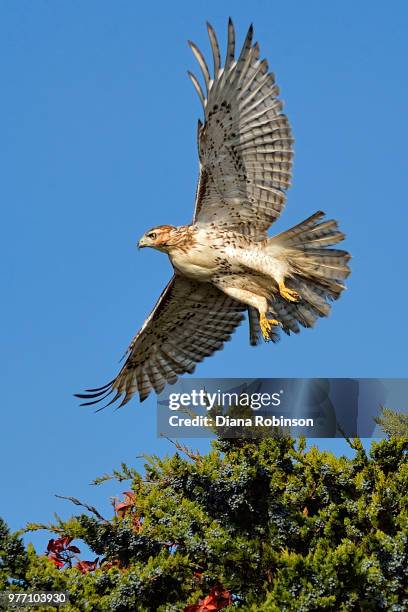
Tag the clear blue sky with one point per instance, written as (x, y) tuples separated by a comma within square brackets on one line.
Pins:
[(98, 144)]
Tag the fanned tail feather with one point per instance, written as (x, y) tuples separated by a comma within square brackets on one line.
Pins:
[(318, 271)]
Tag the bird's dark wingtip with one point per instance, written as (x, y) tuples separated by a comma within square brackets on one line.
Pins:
[(96, 395)]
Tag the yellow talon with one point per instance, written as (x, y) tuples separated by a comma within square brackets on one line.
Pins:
[(267, 326), (289, 294)]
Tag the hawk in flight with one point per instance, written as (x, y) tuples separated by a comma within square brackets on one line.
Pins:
[(224, 262)]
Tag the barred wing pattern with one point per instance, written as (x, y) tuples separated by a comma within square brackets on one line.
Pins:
[(245, 144), (190, 321)]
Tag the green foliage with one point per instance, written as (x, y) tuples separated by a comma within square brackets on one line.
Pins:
[(393, 423), (13, 557), (280, 527)]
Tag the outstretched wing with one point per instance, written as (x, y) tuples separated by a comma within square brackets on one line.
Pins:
[(190, 321), (245, 144)]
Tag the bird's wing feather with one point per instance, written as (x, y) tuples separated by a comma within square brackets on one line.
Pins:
[(254, 326), (190, 321), (245, 144)]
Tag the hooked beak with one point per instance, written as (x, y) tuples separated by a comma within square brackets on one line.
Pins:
[(141, 243)]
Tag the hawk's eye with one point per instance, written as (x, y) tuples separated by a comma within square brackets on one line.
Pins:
[(152, 235)]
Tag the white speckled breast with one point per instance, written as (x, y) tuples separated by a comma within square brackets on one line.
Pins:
[(198, 262)]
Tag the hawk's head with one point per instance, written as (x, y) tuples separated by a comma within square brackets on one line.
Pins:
[(163, 237)]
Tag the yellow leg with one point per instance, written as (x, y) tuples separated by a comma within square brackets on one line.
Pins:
[(267, 326), (289, 294)]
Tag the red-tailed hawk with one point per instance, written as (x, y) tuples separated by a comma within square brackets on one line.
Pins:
[(224, 262)]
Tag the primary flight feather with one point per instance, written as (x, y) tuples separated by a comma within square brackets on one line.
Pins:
[(224, 262)]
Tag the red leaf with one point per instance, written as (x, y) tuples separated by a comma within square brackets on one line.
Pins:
[(74, 549), (130, 495), (50, 545), (87, 566), (121, 505), (56, 560), (137, 524), (122, 508), (66, 541), (201, 607), (209, 603), (59, 544), (218, 598)]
